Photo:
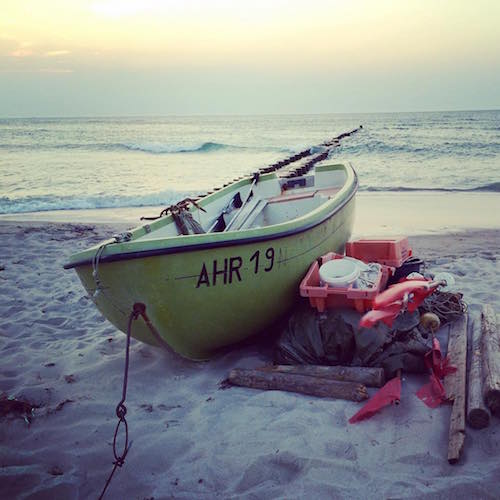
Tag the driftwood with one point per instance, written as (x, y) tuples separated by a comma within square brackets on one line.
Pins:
[(304, 384), (372, 377), (454, 384), (491, 359), (478, 414)]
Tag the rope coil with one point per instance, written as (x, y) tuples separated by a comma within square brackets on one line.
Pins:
[(447, 306)]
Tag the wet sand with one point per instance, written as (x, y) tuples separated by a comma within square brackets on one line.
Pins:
[(423, 212)]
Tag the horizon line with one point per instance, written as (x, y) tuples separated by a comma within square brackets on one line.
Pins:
[(198, 115)]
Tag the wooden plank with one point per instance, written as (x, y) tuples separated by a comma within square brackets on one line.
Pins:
[(372, 377), (454, 384), (286, 196), (313, 386), (250, 219), (478, 415), (242, 214), (491, 359), (330, 192)]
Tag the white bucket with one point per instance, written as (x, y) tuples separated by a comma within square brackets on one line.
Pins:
[(339, 273)]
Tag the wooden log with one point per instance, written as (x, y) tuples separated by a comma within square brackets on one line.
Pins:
[(304, 384), (478, 414), (372, 377), (454, 384), (491, 359)]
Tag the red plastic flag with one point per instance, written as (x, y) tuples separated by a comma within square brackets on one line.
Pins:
[(434, 360), (389, 394), (433, 393)]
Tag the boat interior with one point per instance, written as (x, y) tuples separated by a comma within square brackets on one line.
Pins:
[(249, 203)]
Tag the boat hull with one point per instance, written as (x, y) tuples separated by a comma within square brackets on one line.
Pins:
[(200, 300)]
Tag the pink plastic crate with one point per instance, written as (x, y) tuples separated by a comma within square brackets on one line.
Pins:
[(390, 252), (324, 297)]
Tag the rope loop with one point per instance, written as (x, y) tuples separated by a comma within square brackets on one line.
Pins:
[(120, 458)]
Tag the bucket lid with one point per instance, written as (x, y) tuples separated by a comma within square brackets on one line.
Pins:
[(339, 272)]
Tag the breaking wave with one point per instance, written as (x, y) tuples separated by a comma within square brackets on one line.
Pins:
[(164, 198), (206, 147), (446, 148), (151, 148), (494, 187), (50, 202)]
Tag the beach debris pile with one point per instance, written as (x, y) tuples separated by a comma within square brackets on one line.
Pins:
[(355, 335)]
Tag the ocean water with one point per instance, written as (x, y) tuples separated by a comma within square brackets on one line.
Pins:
[(81, 163)]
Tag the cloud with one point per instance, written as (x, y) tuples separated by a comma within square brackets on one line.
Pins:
[(36, 70), (55, 70), (13, 47), (123, 8), (21, 53), (56, 53)]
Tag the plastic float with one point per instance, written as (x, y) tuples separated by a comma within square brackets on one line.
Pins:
[(404, 296)]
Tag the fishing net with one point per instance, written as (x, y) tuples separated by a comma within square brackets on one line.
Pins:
[(334, 338), (311, 338)]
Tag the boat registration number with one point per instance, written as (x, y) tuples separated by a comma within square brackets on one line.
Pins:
[(225, 271)]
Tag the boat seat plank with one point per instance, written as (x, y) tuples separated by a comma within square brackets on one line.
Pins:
[(254, 214), (328, 191), (294, 196), (250, 210)]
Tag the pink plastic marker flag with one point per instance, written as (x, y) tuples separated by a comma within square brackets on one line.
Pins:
[(390, 393), (433, 393), (434, 360)]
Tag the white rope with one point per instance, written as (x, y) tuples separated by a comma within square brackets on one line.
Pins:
[(95, 270)]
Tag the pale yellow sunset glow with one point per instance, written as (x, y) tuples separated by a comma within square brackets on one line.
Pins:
[(350, 40)]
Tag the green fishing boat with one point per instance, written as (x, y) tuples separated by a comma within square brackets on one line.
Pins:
[(217, 270)]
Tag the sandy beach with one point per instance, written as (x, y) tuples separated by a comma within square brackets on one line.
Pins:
[(190, 439), (296, 125)]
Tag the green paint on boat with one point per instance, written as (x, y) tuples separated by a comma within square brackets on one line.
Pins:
[(206, 291)]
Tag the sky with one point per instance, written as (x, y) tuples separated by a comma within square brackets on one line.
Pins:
[(188, 57)]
